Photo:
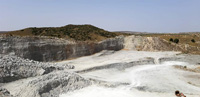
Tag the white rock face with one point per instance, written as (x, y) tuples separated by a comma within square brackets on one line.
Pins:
[(54, 49)]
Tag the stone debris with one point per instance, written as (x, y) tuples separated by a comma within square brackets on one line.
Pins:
[(4, 93), (13, 68), (53, 84)]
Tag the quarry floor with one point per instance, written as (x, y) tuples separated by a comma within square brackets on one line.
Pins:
[(158, 79), (109, 57), (150, 80)]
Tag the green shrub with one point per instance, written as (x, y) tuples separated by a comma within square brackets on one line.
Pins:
[(176, 40), (171, 39), (193, 40)]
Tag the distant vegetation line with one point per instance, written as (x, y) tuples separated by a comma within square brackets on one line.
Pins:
[(3, 31)]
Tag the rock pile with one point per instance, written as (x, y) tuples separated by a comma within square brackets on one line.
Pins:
[(13, 68), (52, 84), (4, 93)]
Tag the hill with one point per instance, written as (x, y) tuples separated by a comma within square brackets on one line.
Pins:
[(3, 31), (75, 32)]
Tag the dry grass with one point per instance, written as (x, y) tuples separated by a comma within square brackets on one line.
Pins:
[(183, 38)]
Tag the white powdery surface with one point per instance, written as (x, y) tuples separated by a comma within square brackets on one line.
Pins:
[(145, 81), (160, 80), (96, 91), (109, 57)]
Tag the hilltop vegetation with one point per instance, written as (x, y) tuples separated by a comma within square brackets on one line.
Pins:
[(75, 32)]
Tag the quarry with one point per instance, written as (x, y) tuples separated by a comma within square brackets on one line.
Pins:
[(99, 48), (121, 66)]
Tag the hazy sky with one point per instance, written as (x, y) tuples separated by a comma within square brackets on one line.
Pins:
[(112, 15)]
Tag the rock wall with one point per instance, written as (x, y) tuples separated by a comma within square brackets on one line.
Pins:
[(54, 49)]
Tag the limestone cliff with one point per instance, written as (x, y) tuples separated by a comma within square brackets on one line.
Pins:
[(54, 49)]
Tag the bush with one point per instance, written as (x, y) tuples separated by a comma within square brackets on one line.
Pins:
[(171, 39), (193, 40), (176, 40)]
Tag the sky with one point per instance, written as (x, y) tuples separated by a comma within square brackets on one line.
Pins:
[(112, 15)]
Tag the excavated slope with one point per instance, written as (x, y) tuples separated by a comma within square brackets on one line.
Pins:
[(54, 49)]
